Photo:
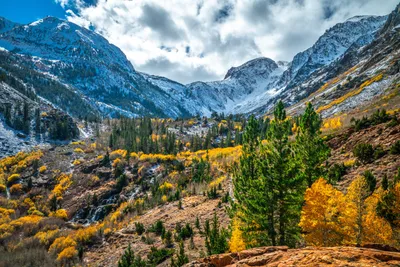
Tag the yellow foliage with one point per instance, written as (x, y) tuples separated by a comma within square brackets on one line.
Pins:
[(335, 80), (64, 182), (376, 229), (349, 163), (107, 231), (46, 237), (13, 178), (94, 179), (332, 123), (236, 243), (67, 254), (78, 150), (61, 243), (26, 221), (294, 128), (324, 217), (29, 202), (166, 186), (85, 235), (164, 198), (134, 155), (2, 188), (116, 162), (42, 169), (78, 143), (6, 212), (217, 181), (119, 153), (351, 93), (156, 157), (60, 213), (6, 230), (76, 162)]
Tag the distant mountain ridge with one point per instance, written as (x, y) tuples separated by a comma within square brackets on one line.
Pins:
[(101, 75)]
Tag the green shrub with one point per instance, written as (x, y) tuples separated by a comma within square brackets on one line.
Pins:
[(371, 180), (395, 148), (336, 172), (156, 256), (364, 152), (157, 228), (379, 152), (139, 228)]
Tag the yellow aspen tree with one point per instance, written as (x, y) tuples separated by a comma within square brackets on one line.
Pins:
[(236, 243), (357, 193), (323, 217), (376, 229)]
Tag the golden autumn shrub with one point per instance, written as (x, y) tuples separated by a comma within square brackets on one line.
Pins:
[(61, 243), (42, 169), (332, 123), (60, 213), (68, 254), (2, 188), (13, 178), (156, 157), (64, 182), (6, 230), (166, 186), (47, 237), (119, 153), (236, 243), (78, 150), (85, 235)]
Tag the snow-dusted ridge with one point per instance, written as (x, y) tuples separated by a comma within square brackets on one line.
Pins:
[(101, 73)]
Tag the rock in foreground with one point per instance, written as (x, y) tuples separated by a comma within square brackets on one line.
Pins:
[(310, 256)]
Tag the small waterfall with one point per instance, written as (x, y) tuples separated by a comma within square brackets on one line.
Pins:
[(8, 192), (93, 213)]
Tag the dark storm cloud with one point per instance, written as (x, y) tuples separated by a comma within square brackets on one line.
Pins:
[(223, 13), (159, 20)]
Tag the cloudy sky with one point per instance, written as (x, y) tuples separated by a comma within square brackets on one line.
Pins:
[(190, 40)]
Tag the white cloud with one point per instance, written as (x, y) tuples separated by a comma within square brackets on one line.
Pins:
[(189, 40)]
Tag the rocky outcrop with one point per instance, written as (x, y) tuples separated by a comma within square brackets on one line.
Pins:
[(309, 256)]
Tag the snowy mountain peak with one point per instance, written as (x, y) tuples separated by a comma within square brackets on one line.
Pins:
[(56, 39), (358, 18), (260, 67)]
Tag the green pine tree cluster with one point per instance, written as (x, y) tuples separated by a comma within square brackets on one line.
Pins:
[(271, 177)]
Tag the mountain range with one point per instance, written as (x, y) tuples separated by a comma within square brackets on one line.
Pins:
[(59, 65)]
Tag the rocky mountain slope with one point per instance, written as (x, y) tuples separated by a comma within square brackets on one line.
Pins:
[(358, 78), (254, 91), (109, 85), (90, 65)]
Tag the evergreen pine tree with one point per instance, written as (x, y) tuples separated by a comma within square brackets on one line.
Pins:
[(311, 149), (181, 258), (385, 182)]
